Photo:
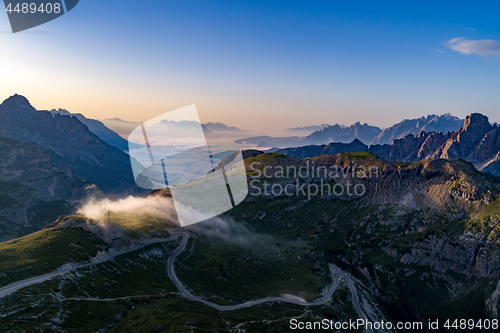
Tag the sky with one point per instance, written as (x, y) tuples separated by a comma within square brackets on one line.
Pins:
[(260, 64)]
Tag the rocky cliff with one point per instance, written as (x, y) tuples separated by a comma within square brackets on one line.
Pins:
[(33, 191), (433, 123), (98, 128)]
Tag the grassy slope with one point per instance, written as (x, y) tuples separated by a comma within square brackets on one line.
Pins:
[(44, 251), (127, 281), (180, 315)]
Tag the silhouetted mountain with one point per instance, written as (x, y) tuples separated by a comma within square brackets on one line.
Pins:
[(68, 142), (333, 148), (336, 133), (444, 124), (98, 128), (411, 148)]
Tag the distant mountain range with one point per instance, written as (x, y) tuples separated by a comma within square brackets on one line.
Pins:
[(310, 128), (120, 126), (477, 141), (363, 132), (124, 127), (220, 127)]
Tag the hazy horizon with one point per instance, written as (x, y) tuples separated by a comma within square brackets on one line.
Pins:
[(271, 131)]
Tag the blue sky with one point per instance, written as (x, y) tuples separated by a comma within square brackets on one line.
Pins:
[(272, 64)]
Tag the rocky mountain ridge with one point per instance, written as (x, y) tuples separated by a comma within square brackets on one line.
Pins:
[(335, 133), (98, 128), (369, 135), (68, 142), (432, 123), (477, 141)]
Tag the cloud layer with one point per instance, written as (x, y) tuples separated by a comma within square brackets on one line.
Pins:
[(218, 227), (487, 47), (156, 206)]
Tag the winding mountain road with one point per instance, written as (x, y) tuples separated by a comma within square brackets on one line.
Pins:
[(336, 273), (11, 288)]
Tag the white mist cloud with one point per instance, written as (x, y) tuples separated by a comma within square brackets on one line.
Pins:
[(231, 231), (157, 206), (487, 47), (222, 227)]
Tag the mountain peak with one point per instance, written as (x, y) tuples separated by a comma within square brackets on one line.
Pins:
[(357, 142), (476, 120), (18, 101)]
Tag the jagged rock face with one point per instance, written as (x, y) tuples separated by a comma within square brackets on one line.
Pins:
[(470, 254), (412, 148), (432, 142), (466, 139), (98, 128), (488, 147), (492, 166), (32, 190), (444, 124), (374, 135), (31, 166), (400, 150), (68, 142), (475, 127)]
